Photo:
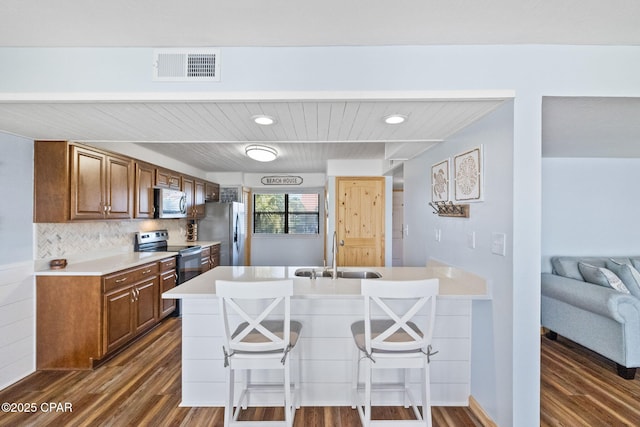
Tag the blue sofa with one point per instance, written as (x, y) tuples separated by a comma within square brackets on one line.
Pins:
[(582, 300)]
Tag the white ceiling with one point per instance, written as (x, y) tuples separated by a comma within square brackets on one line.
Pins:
[(308, 132), (191, 23)]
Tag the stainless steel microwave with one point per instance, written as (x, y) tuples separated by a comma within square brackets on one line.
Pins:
[(169, 203)]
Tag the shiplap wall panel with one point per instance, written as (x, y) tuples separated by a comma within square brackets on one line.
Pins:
[(17, 322), (326, 348)]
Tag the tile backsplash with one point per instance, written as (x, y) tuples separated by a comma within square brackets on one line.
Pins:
[(85, 240)]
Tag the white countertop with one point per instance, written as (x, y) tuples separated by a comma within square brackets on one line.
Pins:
[(203, 243), (453, 282), (106, 265)]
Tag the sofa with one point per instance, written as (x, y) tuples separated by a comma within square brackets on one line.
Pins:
[(595, 302)]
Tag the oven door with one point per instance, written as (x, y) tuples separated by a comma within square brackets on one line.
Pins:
[(188, 265)]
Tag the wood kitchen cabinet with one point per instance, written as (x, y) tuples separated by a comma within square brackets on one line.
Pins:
[(81, 320), (212, 192), (168, 280), (144, 183), (75, 182), (195, 190), (205, 259), (215, 256), (166, 178)]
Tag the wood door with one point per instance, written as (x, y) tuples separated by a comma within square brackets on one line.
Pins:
[(118, 312), (212, 192), (119, 187), (360, 221), (88, 183), (145, 177), (167, 179), (146, 304)]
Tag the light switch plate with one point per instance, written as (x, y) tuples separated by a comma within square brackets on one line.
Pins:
[(499, 243), (438, 234), (471, 240)]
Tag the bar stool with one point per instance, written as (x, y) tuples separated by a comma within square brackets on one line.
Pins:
[(391, 339), (258, 335)]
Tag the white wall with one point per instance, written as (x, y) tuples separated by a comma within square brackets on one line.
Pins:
[(530, 72), (589, 207), (17, 293), (492, 320), (292, 249)]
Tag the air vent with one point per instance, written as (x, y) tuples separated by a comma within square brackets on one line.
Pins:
[(186, 65)]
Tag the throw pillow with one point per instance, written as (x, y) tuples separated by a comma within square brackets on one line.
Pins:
[(601, 276), (629, 275)]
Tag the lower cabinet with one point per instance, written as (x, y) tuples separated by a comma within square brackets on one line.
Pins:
[(81, 320), (168, 280)]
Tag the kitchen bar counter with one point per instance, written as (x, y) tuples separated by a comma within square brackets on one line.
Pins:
[(453, 282), (326, 309)]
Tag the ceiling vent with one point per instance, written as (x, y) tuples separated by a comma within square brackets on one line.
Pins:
[(186, 65)]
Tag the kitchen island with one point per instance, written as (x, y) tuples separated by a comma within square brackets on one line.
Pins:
[(326, 308)]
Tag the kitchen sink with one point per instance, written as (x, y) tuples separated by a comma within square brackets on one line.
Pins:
[(343, 274)]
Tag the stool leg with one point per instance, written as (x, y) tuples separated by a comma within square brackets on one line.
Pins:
[(288, 406), (426, 394), (228, 407), (355, 374), (367, 392)]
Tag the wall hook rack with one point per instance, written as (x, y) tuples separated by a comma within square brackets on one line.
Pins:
[(450, 209)]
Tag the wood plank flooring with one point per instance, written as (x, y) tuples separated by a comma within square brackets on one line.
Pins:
[(582, 388), (141, 387)]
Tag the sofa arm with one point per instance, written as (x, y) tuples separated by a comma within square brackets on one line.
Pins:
[(594, 298)]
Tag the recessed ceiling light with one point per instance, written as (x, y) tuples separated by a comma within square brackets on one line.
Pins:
[(264, 120), (395, 119), (261, 153)]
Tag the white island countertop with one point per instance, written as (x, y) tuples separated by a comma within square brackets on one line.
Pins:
[(453, 282)]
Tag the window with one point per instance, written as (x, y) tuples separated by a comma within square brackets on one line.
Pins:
[(282, 213)]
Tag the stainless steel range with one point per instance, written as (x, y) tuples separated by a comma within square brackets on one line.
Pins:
[(188, 263)]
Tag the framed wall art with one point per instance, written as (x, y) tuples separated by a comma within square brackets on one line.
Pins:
[(440, 181), (468, 175)]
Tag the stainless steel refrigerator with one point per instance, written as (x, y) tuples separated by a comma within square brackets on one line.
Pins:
[(224, 222)]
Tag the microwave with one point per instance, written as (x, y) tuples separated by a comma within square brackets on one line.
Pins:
[(169, 203)]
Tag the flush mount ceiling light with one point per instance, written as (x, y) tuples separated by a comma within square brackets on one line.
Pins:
[(261, 153), (264, 120), (395, 119)]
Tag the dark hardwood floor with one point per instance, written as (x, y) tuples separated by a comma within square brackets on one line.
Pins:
[(141, 386)]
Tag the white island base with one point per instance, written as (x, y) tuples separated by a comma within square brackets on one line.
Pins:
[(326, 308)]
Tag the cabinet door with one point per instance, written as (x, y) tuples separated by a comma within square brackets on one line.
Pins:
[(199, 198), (188, 186), (212, 192), (167, 282), (88, 183), (146, 302), (145, 176), (215, 256), (118, 312), (119, 189), (167, 179)]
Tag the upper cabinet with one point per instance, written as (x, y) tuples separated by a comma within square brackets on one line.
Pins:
[(166, 178), (77, 182), (195, 190), (145, 180), (211, 192), (74, 182)]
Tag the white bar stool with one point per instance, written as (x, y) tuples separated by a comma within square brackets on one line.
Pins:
[(258, 335), (393, 340)]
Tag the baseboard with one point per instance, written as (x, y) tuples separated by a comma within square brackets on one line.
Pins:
[(479, 413)]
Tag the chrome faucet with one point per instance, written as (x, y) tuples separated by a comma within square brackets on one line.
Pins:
[(334, 272)]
